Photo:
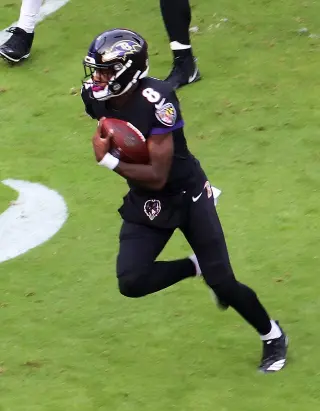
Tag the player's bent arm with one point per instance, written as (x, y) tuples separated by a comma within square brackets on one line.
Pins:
[(154, 175)]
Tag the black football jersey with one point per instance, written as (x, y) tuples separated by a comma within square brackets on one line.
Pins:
[(154, 109)]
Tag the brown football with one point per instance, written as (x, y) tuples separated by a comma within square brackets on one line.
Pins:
[(127, 142)]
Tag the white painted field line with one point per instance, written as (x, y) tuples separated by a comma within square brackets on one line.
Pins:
[(32, 219)]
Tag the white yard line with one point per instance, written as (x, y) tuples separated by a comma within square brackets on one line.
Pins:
[(38, 212), (32, 219)]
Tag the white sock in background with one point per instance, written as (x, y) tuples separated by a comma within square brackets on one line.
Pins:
[(175, 45), (28, 14), (274, 333)]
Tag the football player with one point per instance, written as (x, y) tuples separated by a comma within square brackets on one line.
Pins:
[(171, 192)]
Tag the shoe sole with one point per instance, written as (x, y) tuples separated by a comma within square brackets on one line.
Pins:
[(10, 59)]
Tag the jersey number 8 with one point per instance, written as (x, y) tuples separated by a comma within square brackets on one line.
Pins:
[(151, 95)]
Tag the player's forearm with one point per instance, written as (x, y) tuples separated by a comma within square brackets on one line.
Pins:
[(146, 175)]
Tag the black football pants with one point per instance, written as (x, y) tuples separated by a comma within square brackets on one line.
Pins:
[(139, 274), (176, 16)]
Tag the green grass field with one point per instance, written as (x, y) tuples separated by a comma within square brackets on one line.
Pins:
[(69, 341)]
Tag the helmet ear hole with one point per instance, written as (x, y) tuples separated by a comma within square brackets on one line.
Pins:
[(115, 87)]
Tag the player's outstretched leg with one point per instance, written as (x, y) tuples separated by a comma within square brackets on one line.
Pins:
[(18, 46), (205, 235), (176, 15)]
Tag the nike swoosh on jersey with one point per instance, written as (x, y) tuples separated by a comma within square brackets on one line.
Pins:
[(194, 199)]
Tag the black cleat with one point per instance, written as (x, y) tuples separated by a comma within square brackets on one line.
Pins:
[(274, 354), (18, 46), (184, 71)]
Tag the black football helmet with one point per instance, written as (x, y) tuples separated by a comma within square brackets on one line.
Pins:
[(122, 51)]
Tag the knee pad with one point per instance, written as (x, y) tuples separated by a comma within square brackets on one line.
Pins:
[(131, 279), (130, 286), (128, 278)]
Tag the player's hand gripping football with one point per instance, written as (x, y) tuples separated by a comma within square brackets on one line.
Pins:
[(101, 141)]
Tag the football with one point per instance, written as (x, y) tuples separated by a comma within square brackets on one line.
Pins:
[(127, 142)]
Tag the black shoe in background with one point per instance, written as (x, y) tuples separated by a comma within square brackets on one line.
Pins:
[(18, 46), (184, 71)]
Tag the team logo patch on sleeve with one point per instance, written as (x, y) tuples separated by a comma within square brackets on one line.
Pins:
[(167, 114)]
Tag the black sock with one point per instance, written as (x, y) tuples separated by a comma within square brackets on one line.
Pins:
[(182, 54), (176, 16)]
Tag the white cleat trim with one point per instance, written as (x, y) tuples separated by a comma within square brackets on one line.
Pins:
[(277, 366), (11, 59), (193, 76)]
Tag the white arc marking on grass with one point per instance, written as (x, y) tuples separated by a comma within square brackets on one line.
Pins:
[(32, 219), (48, 7)]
